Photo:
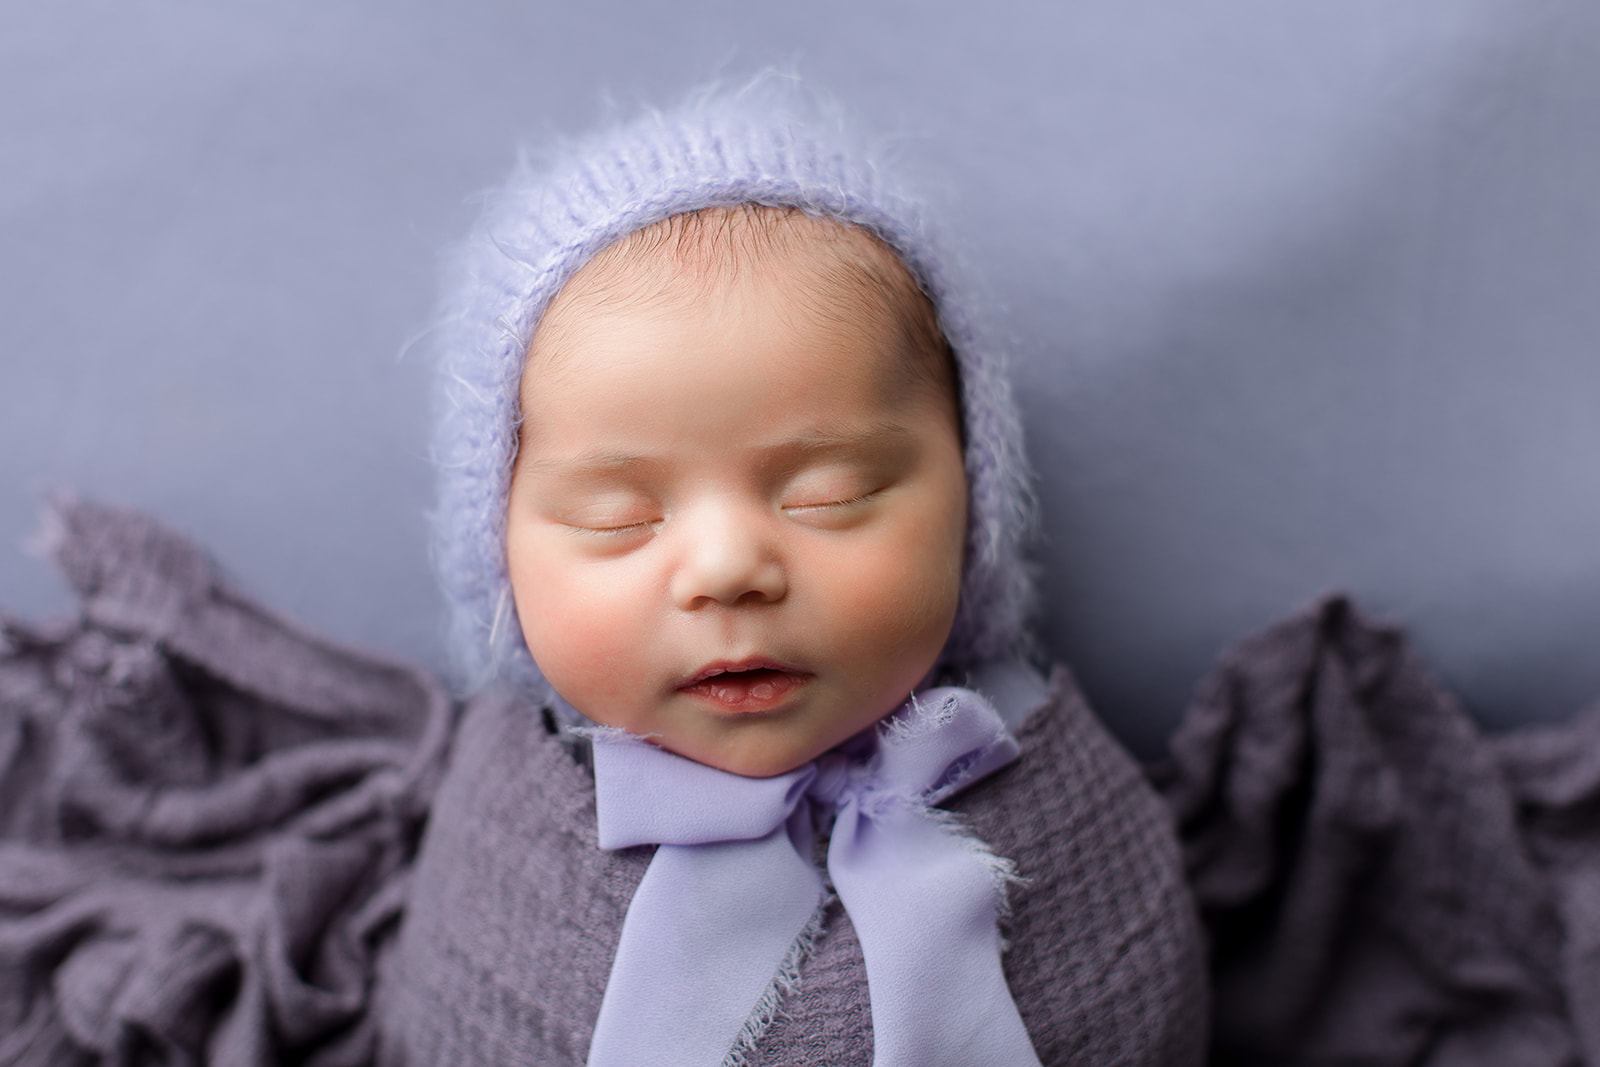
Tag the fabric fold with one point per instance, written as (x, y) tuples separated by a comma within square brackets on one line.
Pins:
[(1359, 861), (207, 816)]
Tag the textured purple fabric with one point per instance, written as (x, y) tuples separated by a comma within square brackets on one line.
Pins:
[(1361, 857), (515, 911), (207, 817), (720, 919)]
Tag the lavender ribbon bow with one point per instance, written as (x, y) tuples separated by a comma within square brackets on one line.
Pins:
[(731, 899)]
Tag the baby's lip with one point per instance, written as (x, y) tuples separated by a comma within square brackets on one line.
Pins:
[(751, 663)]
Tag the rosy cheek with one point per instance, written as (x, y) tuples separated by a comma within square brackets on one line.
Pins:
[(583, 641), (891, 607)]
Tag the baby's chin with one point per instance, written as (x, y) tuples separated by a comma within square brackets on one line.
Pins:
[(758, 749)]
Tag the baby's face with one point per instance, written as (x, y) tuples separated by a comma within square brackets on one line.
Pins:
[(734, 527)]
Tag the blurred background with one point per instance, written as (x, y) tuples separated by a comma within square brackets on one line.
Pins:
[(1302, 297)]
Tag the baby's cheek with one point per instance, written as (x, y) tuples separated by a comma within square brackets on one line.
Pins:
[(893, 605), (588, 658), (581, 639)]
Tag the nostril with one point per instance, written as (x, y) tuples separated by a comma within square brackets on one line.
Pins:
[(764, 595), (729, 580)]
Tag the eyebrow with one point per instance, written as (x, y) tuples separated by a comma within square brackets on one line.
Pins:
[(819, 441)]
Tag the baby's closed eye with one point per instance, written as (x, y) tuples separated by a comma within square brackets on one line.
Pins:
[(832, 497), (609, 513)]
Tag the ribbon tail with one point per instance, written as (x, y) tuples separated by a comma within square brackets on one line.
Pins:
[(924, 901), (709, 930)]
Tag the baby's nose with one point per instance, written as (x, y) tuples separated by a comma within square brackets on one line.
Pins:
[(728, 558)]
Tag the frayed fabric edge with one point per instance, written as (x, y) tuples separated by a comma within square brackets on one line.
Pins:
[(1002, 870), (783, 983)]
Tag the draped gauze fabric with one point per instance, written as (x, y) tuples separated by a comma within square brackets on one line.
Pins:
[(730, 899)]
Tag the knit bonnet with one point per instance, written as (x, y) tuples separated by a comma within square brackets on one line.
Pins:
[(768, 143)]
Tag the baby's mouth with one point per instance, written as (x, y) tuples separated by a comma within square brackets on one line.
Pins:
[(749, 686)]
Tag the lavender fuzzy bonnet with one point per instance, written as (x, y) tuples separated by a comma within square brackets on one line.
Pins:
[(770, 144)]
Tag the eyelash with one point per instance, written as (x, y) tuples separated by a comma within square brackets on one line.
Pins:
[(611, 531), (836, 503), (636, 527)]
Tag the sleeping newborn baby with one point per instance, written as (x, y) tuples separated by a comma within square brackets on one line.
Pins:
[(757, 772), (737, 513)]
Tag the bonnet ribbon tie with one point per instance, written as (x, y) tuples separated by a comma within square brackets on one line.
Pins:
[(729, 903)]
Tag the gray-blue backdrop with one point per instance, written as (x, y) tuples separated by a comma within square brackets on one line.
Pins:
[(1304, 295)]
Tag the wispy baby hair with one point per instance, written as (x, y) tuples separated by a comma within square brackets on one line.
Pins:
[(849, 276)]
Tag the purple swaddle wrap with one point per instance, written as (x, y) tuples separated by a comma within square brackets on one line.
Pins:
[(516, 912)]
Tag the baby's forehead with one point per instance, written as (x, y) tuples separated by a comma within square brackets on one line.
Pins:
[(826, 270)]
